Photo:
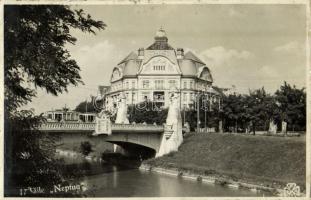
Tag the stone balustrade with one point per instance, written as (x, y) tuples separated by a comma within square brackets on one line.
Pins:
[(137, 127), (90, 126), (57, 126)]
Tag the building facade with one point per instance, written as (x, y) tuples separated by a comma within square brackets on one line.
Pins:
[(155, 72)]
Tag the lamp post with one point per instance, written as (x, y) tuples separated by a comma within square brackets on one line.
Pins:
[(184, 114), (198, 111), (220, 128), (205, 108)]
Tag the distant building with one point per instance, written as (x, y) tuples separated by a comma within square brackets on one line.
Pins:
[(155, 72), (226, 91), (65, 115)]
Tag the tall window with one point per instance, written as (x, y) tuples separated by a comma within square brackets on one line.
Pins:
[(159, 84), (185, 84), (133, 97), (191, 84), (126, 85), (172, 83), (145, 83), (184, 97), (192, 96), (133, 84)]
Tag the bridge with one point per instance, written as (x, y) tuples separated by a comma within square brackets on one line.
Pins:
[(161, 139), (131, 137)]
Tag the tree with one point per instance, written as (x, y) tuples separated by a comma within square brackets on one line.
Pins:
[(35, 37), (258, 110), (85, 107), (233, 106), (147, 112), (86, 148), (27, 153), (291, 104), (35, 57)]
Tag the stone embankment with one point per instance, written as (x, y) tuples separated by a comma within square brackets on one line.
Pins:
[(242, 161), (211, 180)]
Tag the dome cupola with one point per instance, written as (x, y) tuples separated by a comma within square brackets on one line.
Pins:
[(160, 34), (160, 41)]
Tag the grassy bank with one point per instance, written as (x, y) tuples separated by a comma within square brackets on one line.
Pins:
[(268, 161)]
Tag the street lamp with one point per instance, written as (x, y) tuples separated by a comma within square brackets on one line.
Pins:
[(198, 111), (184, 109)]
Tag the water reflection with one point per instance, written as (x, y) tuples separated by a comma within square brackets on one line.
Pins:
[(106, 180)]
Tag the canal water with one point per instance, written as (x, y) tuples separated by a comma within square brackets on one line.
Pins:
[(106, 180)]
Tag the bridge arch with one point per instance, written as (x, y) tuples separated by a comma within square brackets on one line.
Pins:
[(137, 139), (136, 150)]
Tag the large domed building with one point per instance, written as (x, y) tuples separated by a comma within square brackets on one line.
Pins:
[(153, 73)]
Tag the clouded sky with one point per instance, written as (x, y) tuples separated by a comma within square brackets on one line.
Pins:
[(249, 46)]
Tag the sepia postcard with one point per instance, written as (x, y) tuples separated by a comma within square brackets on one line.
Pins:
[(130, 99)]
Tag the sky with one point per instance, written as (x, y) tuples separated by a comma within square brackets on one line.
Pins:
[(249, 46)]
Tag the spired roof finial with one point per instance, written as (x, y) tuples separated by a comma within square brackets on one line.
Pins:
[(161, 33)]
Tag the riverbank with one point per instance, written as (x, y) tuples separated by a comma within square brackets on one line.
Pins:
[(265, 163), (103, 179)]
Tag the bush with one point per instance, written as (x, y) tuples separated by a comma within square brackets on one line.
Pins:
[(86, 148), (148, 113)]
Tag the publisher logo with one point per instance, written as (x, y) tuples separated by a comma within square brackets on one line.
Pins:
[(292, 190)]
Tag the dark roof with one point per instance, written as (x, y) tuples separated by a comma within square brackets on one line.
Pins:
[(219, 90), (131, 56), (190, 56), (160, 45), (160, 41)]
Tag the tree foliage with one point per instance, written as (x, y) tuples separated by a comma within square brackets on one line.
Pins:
[(28, 152), (35, 57), (147, 112), (239, 113), (85, 106), (255, 110), (35, 37), (86, 148), (291, 104)]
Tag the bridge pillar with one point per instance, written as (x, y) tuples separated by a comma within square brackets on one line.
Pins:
[(122, 112), (172, 137)]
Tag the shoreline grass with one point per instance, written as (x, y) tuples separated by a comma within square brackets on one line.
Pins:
[(266, 161)]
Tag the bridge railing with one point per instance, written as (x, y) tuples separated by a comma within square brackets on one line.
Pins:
[(137, 127), (67, 126), (90, 126)]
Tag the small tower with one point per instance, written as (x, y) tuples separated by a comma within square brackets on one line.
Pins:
[(180, 53), (161, 35), (141, 52)]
